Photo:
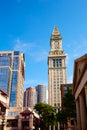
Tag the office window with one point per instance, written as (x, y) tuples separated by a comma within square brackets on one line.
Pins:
[(15, 63), (16, 52), (13, 89), (57, 62)]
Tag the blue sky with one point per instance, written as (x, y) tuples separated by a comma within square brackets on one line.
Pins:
[(26, 26)]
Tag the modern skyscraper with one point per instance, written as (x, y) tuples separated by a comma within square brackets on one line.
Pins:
[(41, 93), (30, 97), (12, 76), (56, 69)]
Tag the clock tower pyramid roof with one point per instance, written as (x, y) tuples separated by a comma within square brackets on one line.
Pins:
[(56, 34), (55, 31)]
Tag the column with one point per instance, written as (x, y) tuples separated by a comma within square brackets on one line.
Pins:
[(58, 126), (19, 124), (49, 127), (38, 128), (5, 127), (83, 112), (78, 115), (69, 124), (53, 127), (0, 122), (31, 121), (86, 95)]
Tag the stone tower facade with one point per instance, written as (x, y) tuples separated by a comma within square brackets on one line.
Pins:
[(56, 69)]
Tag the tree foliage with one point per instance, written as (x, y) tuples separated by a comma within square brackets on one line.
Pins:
[(68, 108), (46, 113), (68, 104), (61, 116)]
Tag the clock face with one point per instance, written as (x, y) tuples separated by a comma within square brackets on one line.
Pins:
[(56, 44)]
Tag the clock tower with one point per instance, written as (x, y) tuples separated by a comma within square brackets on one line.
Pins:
[(56, 69)]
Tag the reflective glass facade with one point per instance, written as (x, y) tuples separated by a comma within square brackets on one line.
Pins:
[(15, 63), (12, 76), (4, 78), (5, 60), (5, 63), (13, 89)]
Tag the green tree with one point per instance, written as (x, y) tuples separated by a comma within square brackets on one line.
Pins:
[(47, 114), (61, 116), (68, 104), (68, 108)]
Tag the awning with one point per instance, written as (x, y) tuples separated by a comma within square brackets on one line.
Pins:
[(3, 104), (26, 112)]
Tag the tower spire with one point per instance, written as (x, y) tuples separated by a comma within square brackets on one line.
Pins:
[(55, 31), (56, 34)]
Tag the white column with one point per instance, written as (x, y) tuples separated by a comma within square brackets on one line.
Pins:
[(38, 128), (58, 126), (5, 125), (53, 127), (49, 127), (69, 124), (78, 115), (19, 124), (83, 113), (31, 121)]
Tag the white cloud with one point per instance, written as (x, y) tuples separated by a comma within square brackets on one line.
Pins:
[(67, 58), (40, 55), (78, 48), (31, 49), (33, 83), (35, 53), (75, 50), (70, 79), (22, 46)]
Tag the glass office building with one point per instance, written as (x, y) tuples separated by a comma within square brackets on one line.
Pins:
[(12, 76)]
